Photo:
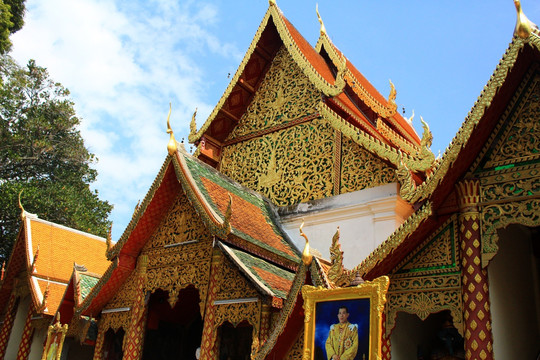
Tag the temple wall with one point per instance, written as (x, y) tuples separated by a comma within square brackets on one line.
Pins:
[(365, 218), (514, 296)]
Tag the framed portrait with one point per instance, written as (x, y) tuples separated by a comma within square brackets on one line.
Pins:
[(344, 323), (55, 341)]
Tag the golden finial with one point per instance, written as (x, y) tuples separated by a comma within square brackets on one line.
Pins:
[(323, 29), (171, 146), (45, 297), (524, 26), (427, 136), (109, 240), (228, 214), (193, 124), (21, 207), (272, 2), (306, 256), (409, 120), (393, 93)]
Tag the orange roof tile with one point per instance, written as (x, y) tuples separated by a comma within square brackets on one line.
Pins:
[(60, 247)]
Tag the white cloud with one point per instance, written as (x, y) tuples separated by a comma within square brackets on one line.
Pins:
[(123, 62)]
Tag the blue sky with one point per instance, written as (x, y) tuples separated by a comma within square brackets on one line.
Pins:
[(124, 61)]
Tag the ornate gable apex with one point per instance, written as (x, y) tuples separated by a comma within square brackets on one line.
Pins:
[(367, 103), (274, 31), (476, 129)]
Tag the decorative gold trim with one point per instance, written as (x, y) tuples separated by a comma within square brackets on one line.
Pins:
[(172, 147), (404, 144), (306, 256), (337, 274), (524, 26), (398, 236), (323, 85), (471, 121), (337, 162), (374, 290), (382, 150)]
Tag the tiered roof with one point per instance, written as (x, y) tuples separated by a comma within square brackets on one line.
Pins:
[(244, 221), (350, 103), (44, 253)]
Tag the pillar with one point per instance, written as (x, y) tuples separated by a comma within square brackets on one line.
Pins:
[(208, 351), (265, 324), (133, 346), (26, 338), (8, 324), (386, 349), (475, 288), (98, 349)]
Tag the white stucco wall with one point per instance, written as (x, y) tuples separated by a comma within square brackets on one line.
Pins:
[(513, 292), (365, 218), (17, 329)]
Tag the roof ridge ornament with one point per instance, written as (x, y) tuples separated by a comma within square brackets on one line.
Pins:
[(323, 28), (193, 125), (307, 258), (226, 226), (272, 2), (524, 26), (171, 145), (23, 212)]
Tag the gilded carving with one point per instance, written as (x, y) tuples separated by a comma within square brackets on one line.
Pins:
[(285, 94), (283, 165), (115, 321), (180, 225), (498, 216), (521, 139), (295, 352), (232, 285), (125, 296), (437, 254), (361, 169), (337, 274)]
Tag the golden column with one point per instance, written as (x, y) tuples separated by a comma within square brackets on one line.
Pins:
[(265, 324), (208, 336), (475, 289), (8, 323), (26, 338), (135, 336)]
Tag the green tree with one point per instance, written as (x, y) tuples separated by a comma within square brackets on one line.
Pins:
[(42, 152), (11, 20)]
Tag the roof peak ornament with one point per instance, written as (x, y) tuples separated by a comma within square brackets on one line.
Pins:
[(23, 213), (524, 27), (323, 28), (272, 2), (171, 145), (193, 125), (307, 258)]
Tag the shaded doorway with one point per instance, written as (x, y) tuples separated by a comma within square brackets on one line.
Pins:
[(514, 292), (433, 338), (112, 344), (173, 333), (235, 342)]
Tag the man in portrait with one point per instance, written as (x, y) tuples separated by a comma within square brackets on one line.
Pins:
[(342, 341)]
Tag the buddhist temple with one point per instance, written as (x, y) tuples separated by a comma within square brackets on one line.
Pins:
[(305, 177)]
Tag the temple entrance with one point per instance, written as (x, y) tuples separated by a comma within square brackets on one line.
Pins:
[(235, 342), (112, 344), (173, 333), (433, 338), (514, 290)]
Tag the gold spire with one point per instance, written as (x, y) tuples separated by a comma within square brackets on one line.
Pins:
[(109, 240), (171, 146), (524, 26), (323, 29), (306, 256), (272, 2), (193, 124), (21, 207)]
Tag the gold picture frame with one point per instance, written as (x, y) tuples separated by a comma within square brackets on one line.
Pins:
[(55, 341), (321, 309)]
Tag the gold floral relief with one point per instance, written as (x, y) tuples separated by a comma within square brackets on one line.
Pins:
[(287, 166), (232, 285), (181, 224), (297, 349), (285, 94), (423, 296), (126, 295), (522, 137), (115, 321), (361, 169)]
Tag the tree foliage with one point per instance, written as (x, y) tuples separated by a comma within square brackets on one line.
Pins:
[(42, 152), (11, 20)]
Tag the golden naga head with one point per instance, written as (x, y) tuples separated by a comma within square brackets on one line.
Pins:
[(172, 147), (524, 26)]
